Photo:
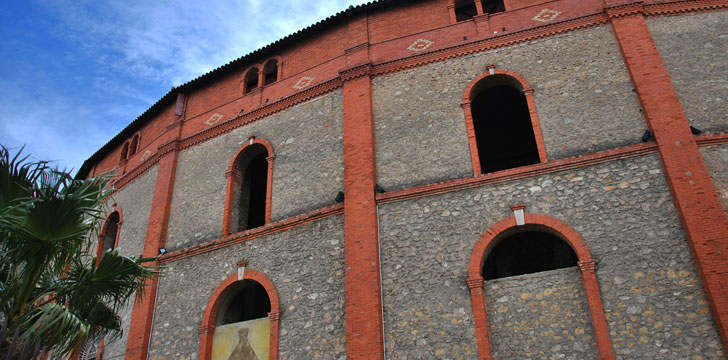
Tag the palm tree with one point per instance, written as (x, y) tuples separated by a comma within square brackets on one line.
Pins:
[(53, 291)]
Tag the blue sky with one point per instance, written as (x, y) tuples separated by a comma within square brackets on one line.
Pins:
[(73, 73)]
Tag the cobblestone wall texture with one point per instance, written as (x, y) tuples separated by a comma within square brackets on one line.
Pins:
[(623, 209), (693, 48), (135, 201), (543, 315), (716, 159), (582, 90), (305, 264), (308, 169)]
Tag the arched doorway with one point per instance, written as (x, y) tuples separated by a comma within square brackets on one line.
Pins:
[(523, 288), (241, 319)]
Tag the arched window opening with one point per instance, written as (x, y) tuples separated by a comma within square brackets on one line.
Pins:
[(245, 300), (271, 72), (493, 6), (111, 229), (124, 151), (526, 253), (465, 9), (133, 145), (251, 195), (251, 80), (502, 123)]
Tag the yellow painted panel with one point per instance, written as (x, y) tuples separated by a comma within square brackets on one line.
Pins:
[(247, 340)]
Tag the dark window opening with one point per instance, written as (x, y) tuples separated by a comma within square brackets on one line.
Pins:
[(251, 80), (246, 300), (503, 129), (133, 146), (110, 230), (493, 6), (252, 195), (124, 151), (465, 9), (526, 253), (271, 72)]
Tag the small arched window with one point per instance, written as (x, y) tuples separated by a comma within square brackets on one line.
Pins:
[(504, 132), (270, 71), (109, 233), (526, 253), (251, 80), (493, 6), (133, 145), (465, 9), (124, 152)]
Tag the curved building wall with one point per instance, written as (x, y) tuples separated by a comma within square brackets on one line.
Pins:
[(306, 266), (623, 210), (135, 202), (583, 94), (308, 169)]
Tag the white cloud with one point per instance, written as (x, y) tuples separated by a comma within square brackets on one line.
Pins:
[(132, 49)]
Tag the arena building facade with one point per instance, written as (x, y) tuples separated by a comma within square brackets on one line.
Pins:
[(439, 179)]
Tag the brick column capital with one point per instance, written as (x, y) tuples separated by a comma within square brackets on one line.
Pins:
[(588, 265), (476, 283), (204, 329)]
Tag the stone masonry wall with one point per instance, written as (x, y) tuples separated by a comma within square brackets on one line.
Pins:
[(541, 315), (582, 90), (716, 159), (693, 48), (651, 291), (135, 201), (306, 266), (308, 169)]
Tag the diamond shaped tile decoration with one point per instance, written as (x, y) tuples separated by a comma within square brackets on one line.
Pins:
[(546, 15), (213, 119), (303, 82), (420, 45), (145, 156)]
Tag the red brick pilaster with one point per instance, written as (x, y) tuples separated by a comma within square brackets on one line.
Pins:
[(596, 309), (695, 196), (477, 297), (143, 313), (364, 338), (363, 292)]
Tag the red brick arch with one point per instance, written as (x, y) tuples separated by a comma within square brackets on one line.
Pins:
[(279, 63), (207, 329), (233, 179), (587, 265), (102, 233), (468, 95)]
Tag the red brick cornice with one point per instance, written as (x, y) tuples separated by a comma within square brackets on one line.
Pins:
[(489, 44), (271, 228), (262, 112), (355, 72), (685, 6), (133, 174), (625, 10)]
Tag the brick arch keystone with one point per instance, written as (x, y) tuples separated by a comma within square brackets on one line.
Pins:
[(587, 265)]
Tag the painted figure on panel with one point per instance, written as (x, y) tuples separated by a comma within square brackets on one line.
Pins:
[(243, 351)]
